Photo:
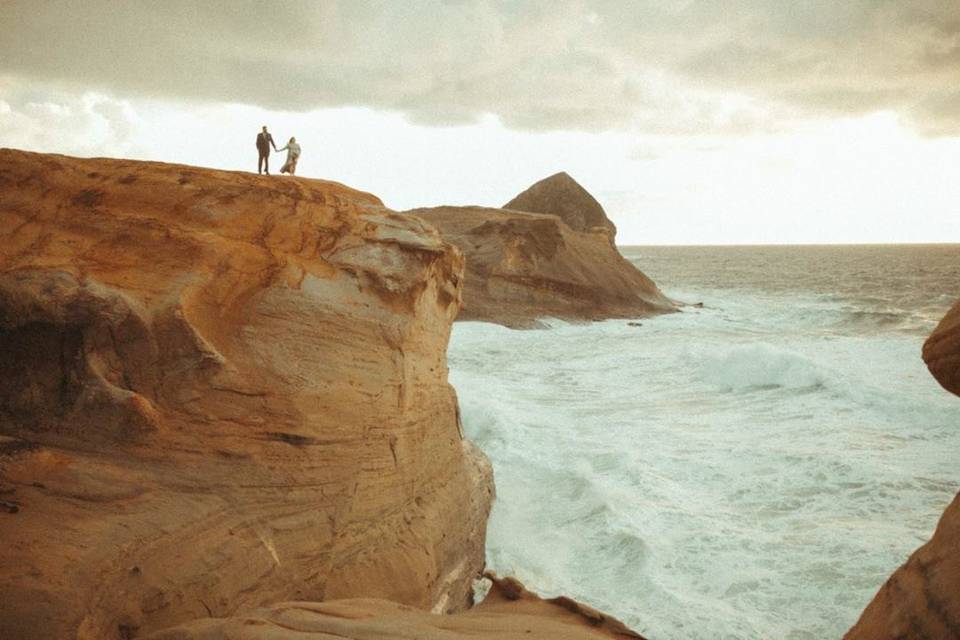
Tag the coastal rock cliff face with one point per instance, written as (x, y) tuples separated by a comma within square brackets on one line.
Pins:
[(508, 612), (921, 600), (219, 391), (941, 351), (523, 266)]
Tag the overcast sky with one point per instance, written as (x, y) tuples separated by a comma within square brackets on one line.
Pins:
[(759, 121)]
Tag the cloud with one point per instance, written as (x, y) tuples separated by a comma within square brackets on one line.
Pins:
[(84, 124), (850, 58), (676, 67)]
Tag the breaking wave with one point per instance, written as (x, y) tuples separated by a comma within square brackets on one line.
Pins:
[(761, 366)]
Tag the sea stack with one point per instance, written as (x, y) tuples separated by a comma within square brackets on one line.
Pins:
[(921, 600), (549, 252), (220, 391)]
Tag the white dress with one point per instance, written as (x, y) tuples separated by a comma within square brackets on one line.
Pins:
[(293, 154)]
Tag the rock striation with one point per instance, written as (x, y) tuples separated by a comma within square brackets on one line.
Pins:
[(220, 391), (941, 351), (921, 600), (508, 611), (556, 259)]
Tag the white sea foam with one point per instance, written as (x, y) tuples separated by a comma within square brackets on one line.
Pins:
[(739, 471), (760, 366)]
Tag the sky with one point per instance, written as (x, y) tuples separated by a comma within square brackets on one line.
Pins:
[(691, 121)]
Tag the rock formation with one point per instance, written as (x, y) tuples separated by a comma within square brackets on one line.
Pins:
[(921, 600), (941, 351), (523, 266), (562, 196), (509, 611), (220, 391)]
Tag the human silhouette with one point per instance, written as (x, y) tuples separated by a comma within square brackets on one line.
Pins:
[(264, 142), (293, 154)]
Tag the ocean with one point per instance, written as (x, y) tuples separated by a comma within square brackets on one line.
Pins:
[(755, 468)]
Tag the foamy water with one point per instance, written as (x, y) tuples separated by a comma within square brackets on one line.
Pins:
[(752, 469)]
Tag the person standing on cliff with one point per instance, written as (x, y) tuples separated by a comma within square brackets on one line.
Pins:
[(293, 154), (264, 142)]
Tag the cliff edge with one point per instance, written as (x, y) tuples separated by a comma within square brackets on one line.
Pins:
[(219, 391)]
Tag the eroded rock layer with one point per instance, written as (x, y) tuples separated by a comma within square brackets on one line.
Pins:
[(921, 600), (508, 612), (522, 267), (218, 391)]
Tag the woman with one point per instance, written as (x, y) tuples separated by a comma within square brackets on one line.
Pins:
[(293, 154)]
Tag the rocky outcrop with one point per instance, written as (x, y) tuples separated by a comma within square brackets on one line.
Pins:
[(921, 600), (562, 196), (522, 267), (220, 391), (509, 611), (941, 351)]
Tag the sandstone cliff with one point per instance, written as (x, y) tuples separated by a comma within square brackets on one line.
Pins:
[(508, 612), (524, 266), (921, 600), (220, 391)]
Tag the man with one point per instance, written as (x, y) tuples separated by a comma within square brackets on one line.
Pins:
[(264, 142)]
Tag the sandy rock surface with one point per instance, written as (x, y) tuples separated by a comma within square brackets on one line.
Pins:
[(921, 600), (556, 259), (508, 612), (220, 391)]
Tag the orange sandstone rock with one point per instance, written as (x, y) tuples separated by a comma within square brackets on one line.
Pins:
[(218, 391), (555, 259), (941, 351), (508, 612)]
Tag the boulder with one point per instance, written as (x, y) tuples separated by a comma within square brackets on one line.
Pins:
[(220, 391), (941, 351)]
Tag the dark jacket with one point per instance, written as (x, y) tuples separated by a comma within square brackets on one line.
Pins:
[(264, 141)]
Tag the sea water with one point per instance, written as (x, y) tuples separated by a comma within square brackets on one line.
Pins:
[(755, 468)]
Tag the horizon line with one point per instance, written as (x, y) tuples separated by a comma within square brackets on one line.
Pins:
[(922, 243)]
